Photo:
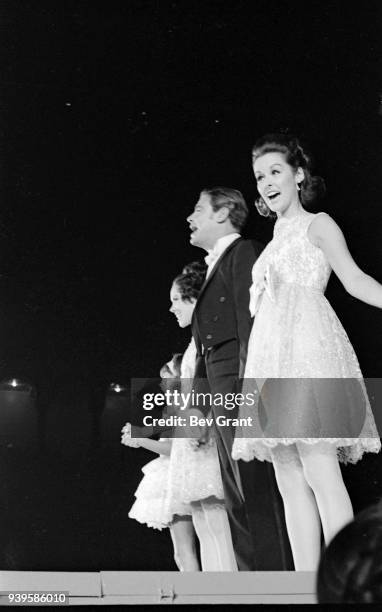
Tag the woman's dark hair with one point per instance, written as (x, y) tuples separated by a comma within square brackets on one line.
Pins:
[(190, 281), (311, 188), (171, 381), (350, 569), (177, 361)]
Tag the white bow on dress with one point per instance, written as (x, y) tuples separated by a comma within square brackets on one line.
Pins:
[(266, 283)]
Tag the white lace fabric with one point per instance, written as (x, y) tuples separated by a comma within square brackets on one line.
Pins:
[(296, 334), (171, 483), (149, 506), (194, 473)]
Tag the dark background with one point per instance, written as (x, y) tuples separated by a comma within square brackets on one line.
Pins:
[(113, 116)]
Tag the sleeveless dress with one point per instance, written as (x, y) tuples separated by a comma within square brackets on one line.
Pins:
[(194, 473), (151, 504), (301, 369)]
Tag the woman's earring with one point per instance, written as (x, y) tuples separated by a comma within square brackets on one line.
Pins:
[(298, 187)]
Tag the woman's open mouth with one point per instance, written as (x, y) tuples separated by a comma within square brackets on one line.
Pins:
[(272, 196)]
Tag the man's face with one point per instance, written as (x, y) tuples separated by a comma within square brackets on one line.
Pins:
[(203, 223)]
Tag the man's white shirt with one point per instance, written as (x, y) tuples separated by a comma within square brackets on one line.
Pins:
[(220, 246)]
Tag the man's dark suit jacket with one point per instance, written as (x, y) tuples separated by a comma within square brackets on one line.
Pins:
[(221, 327), (222, 310)]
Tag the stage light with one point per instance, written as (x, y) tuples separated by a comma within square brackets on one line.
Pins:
[(120, 389), (17, 384)]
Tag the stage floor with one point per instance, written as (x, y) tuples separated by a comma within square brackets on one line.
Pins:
[(134, 588)]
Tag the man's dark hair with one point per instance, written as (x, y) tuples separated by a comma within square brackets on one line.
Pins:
[(225, 197)]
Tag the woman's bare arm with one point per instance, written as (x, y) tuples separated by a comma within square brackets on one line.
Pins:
[(326, 234)]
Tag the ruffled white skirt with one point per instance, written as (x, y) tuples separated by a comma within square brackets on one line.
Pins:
[(296, 345), (151, 506), (194, 475)]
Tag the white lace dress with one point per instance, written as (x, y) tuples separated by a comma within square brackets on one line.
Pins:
[(297, 337), (149, 506), (194, 474)]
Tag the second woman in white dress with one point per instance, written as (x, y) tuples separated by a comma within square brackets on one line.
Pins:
[(150, 497), (194, 475)]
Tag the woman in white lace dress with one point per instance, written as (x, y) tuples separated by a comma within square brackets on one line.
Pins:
[(184, 481), (194, 473), (150, 506), (301, 420)]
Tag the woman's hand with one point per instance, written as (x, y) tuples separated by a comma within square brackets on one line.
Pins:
[(126, 438), (200, 434), (161, 447)]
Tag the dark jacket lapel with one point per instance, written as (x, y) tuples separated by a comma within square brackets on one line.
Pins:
[(214, 270)]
